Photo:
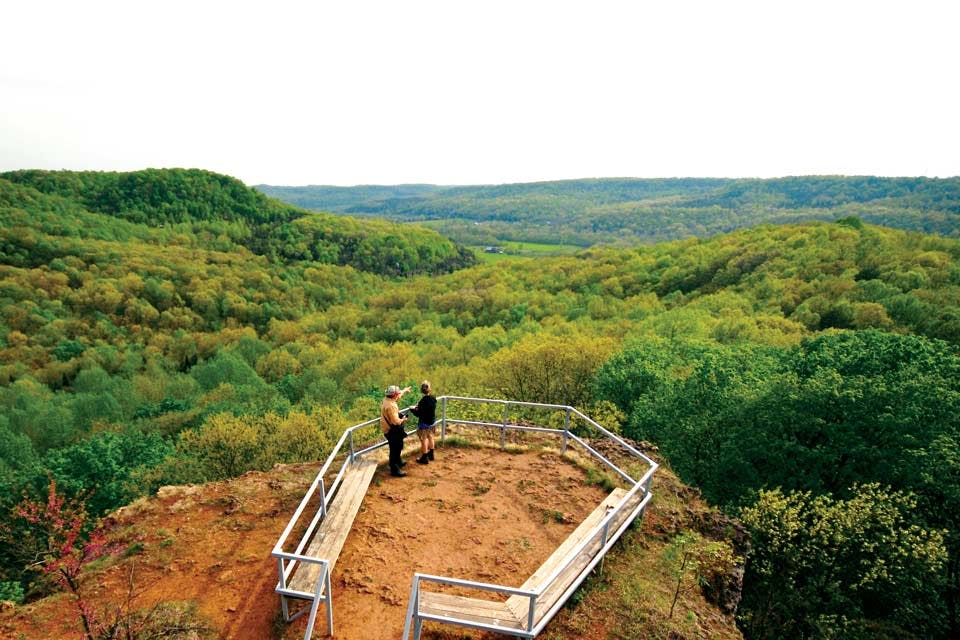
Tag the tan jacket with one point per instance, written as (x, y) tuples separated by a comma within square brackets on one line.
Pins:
[(389, 414)]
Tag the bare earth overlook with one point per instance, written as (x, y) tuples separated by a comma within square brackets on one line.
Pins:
[(475, 513)]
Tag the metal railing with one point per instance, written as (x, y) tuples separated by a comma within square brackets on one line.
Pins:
[(592, 549), (287, 562), (606, 533)]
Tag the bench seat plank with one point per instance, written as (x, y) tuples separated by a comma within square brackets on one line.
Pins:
[(332, 533), (471, 609)]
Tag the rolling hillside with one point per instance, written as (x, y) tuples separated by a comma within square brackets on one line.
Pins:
[(634, 211), (219, 211)]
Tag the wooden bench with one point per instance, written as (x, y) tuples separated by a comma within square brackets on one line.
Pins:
[(514, 612), (520, 605), (330, 536)]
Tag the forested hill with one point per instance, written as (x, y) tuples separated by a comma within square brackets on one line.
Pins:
[(158, 196), (630, 211), (195, 207)]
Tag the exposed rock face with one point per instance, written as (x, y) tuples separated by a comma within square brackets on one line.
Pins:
[(726, 591)]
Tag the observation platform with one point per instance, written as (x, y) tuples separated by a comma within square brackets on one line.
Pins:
[(323, 520)]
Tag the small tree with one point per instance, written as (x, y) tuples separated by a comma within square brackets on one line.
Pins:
[(695, 562), (68, 540)]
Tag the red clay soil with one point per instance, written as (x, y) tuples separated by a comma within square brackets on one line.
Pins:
[(475, 513)]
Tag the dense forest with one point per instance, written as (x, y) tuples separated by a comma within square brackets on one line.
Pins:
[(167, 327), (627, 212), (203, 209)]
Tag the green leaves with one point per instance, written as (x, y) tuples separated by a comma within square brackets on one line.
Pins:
[(829, 422), (815, 560)]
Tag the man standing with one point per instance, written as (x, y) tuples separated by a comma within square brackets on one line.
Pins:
[(392, 425)]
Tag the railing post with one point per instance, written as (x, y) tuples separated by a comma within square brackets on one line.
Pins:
[(283, 585), (351, 447), (503, 428), (531, 611), (329, 599), (283, 577), (566, 433), (323, 499), (443, 421)]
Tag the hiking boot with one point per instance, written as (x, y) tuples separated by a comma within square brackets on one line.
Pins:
[(396, 473), (430, 455), (423, 459)]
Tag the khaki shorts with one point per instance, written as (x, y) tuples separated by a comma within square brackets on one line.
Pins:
[(423, 434)]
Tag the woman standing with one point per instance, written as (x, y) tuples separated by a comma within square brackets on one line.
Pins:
[(426, 412)]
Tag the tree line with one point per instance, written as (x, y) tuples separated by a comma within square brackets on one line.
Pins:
[(625, 212)]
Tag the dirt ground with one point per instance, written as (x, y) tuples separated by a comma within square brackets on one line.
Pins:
[(477, 513)]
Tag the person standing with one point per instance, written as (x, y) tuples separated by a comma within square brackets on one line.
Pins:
[(392, 424), (426, 412)]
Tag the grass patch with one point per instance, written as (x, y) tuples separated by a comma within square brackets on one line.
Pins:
[(525, 484), (460, 441), (548, 515), (479, 489), (522, 544), (492, 258), (600, 479), (524, 250), (452, 505)]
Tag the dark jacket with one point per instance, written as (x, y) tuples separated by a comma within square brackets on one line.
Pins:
[(426, 410)]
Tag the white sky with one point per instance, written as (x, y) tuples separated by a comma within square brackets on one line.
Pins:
[(456, 92)]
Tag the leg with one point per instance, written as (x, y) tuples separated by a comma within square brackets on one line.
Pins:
[(395, 440), (422, 434)]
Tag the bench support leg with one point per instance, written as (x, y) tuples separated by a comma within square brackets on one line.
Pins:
[(412, 607), (313, 617), (329, 601), (322, 582)]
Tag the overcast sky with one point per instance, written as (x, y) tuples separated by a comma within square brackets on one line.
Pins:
[(454, 92)]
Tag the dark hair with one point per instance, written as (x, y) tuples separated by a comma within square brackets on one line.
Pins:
[(425, 387)]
